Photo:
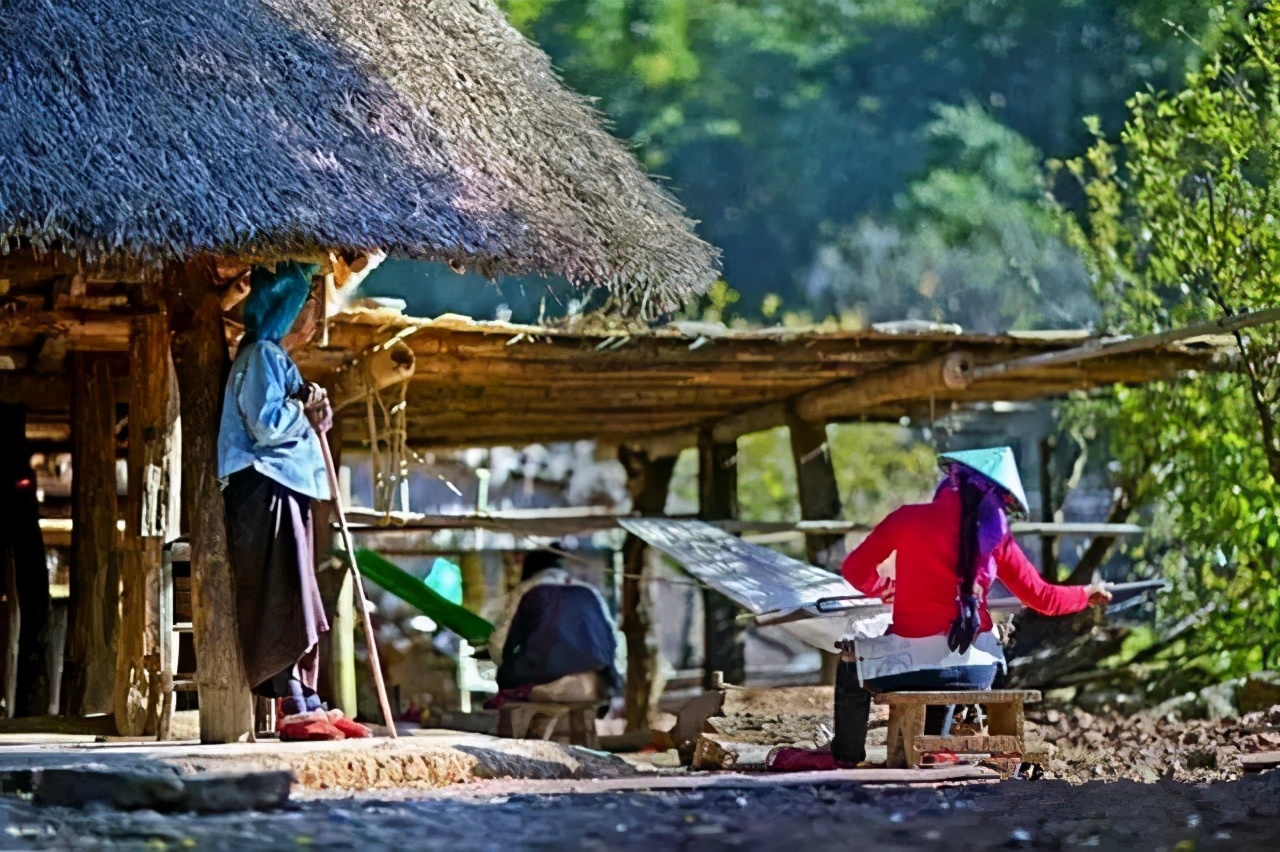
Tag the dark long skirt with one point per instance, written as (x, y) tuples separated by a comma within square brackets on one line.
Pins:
[(278, 605)]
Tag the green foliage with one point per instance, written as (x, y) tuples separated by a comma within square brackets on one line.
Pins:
[(972, 241), (781, 120), (1181, 226), (878, 468), (783, 124)]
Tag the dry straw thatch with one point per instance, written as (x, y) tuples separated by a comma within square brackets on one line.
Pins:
[(155, 129)]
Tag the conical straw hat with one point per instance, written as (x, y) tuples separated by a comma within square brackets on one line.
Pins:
[(996, 464)]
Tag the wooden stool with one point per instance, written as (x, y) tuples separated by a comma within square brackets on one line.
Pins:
[(908, 741), (515, 717)]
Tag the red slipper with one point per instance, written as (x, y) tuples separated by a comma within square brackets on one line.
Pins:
[(309, 727), (939, 758), (351, 730)]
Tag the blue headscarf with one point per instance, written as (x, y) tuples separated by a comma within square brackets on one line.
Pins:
[(275, 299)]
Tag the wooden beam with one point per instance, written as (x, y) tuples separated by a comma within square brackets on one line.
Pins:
[(94, 608), (950, 372), (99, 331), (662, 444), (152, 509), (765, 417), (648, 480), (845, 398), (202, 365), (371, 373), (724, 658), (1107, 347)]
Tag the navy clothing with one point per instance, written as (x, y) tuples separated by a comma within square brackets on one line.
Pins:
[(853, 702), (558, 630), (265, 428)]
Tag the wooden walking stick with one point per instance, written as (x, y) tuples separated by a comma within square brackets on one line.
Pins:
[(336, 497)]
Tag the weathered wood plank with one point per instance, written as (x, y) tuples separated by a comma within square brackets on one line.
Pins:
[(94, 615), (977, 744), (990, 696)]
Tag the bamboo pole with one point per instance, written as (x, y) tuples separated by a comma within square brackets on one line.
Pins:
[(370, 639)]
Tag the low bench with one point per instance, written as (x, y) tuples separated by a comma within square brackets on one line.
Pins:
[(908, 741), (515, 718)]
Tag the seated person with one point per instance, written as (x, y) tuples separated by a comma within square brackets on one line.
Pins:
[(556, 640), (949, 551)]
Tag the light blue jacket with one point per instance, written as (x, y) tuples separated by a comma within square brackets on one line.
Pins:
[(265, 428)]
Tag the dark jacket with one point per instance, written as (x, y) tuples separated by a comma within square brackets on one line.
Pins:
[(558, 630)]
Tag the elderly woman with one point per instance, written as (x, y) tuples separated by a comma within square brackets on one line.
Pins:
[(949, 551), (272, 466)]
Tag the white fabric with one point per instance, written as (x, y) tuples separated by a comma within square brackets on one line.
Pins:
[(888, 655)]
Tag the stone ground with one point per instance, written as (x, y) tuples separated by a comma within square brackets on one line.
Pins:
[(496, 815)]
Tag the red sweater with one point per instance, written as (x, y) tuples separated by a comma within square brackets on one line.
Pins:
[(926, 537)]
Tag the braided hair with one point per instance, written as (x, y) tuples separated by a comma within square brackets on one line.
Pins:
[(983, 526)]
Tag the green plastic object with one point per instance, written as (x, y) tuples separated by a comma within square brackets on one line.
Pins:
[(417, 594)]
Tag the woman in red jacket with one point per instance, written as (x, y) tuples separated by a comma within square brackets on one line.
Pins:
[(948, 553)]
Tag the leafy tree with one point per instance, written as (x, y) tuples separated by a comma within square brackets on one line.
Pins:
[(1181, 227), (776, 121), (973, 241)]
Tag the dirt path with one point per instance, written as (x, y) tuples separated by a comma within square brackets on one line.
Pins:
[(495, 817)]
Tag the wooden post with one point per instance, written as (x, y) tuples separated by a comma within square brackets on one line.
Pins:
[(94, 607), (202, 366), (1048, 542), (819, 501), (151, 518), (648, 481), (22, 546), (815, 482), (723, 636)]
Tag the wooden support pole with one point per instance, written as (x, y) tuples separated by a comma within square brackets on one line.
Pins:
[(819, 501), (723, 636), (94, 607), (22, 549), (151, 518), (1048, 513), (338, 649), (202, 365), (815, 483), (648, 480)]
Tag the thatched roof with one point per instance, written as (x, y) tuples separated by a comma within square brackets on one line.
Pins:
[(154, 129)]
